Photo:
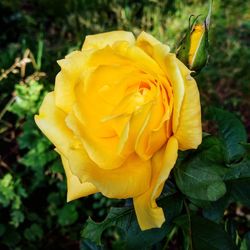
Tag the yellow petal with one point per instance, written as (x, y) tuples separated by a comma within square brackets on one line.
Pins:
[(149, 215), (51, 120), (137, 122), (130, 180), (97, 91), (189, 132), (195, 42), (71, 68), (176, 80), (76, 189), (152, 136), (102, 151), (100, 41), (151, 45), (139, 58)]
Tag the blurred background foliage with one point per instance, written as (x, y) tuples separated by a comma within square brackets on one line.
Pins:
[(34, 34)]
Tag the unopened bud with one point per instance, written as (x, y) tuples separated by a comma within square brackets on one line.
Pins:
[(198, 54), (193, 50)]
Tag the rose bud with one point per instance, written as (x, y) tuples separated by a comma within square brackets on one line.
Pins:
[(193, 49)]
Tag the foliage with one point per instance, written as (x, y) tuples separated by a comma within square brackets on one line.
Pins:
[(206, 200)]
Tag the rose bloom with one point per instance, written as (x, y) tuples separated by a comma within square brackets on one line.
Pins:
[(121, 109)]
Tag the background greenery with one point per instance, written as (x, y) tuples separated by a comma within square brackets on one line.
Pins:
[(33, 209)]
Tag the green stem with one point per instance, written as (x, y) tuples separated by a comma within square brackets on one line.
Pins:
[(189, 222), (170, 237)]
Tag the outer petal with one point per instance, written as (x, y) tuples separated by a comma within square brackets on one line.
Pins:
[(176, 79), (76, 189), (100, 41), (71, 68), (151, 46), (130, 180), (149, 215), (189, 132), (51, 121), (139, 58)]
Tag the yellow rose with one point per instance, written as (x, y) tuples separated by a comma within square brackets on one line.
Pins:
[(120, 111)]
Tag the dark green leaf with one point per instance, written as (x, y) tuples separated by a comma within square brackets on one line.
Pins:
[(120, 217), (200, 174), (199, 203), (239, 170), (2, 229), (207, 235), (11, 237), (125, 219), (17, 217), (231, 131), (88, 245), (231, 228), (183, 222), (212, 150), (30, 135), (38, 156), (246, 146), (199, 179), (67, 215), (215, 210), (200, 183), (34, 232), (245, 245), (240, 190)]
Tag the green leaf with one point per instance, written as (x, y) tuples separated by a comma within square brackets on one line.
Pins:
[(183, 222), (34, 232), (240, 190), (215, 210), (7, 192), (137, 239), (56, 167), (245, 245), (27, 99), (125, 219), (30, 135), (207, 235), (17, 217), (37, 157), (67, 215), (231, 228), (119, 217), (212, 150), (200, 175), (239, 170), (2, 229), (232, 132), (11, 237), (247, 147), (88, 245)]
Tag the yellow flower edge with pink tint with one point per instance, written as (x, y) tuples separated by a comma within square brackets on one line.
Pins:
[(120, 111)]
